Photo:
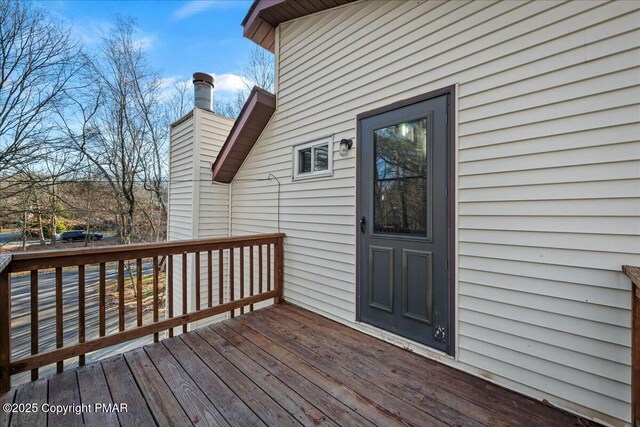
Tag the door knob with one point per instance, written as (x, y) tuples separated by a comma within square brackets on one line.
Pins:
[(363, 222)]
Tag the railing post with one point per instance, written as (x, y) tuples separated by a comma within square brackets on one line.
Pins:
[(5, 325), (634, 274), (635, 349), (278, 266)]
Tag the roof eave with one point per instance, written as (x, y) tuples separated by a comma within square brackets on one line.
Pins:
[(257, 111)]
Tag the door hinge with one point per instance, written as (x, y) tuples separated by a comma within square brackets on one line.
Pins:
[(447, 265)]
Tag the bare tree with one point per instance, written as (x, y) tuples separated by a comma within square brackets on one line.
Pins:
[(121, 127), (259, 71), (37, 63), (180, 101)]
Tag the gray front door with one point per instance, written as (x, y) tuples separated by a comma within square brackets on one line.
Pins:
[(404, 244)]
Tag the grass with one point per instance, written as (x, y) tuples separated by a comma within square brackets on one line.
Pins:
[(130, 300)]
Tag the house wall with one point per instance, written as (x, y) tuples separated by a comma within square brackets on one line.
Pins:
[(548, 198), (197, 208)]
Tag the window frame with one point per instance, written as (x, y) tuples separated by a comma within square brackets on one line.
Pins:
[(296, 175)]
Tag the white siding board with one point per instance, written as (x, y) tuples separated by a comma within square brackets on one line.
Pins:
[(571, 208), (616, 298), (586, 259), (544, 304), (549, 176), (549, 377), (579, 361), (590, 171)]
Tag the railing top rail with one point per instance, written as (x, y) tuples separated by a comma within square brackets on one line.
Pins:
[(77, 256), (5, 260), (633, 272)]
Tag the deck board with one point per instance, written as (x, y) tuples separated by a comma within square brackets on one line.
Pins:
[(399, 372), (197, 406), (374, 413), (283, 366), (427, 399), (64, 390), (29, 393), (5, 416), (292, 402), (269, 411), (475, 390), (163, 405), (303, 384), (124, 389), (93, 389), (224, 399), (351, 378)]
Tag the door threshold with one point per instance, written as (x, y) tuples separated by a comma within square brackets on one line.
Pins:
[(406, 343)]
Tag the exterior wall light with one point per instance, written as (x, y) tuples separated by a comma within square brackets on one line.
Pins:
[(345, 146)]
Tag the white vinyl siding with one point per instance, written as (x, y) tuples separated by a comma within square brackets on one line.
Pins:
[(206, 212), (181, 173), (548, 198)]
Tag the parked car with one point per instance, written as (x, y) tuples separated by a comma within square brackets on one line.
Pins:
[(78, 235)]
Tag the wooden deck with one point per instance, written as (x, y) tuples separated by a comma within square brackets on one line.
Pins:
[(279, 366)]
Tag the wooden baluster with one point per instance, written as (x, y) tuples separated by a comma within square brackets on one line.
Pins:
[(241, 277), (260, 269), (5, 331), (268, 267), (81, 310), (101, 298), (184, 289), (59, 325), (197, 260), (278, 273), (139, 290), (34, 319), (220, 276), (251, 275), (209, 279), (170, 290), (156, 268), (121, 295), (231, 274)]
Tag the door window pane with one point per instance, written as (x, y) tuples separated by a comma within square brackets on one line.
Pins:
[(401, 150), (400, 206), (400, 178), (304, 160), (321, 158)]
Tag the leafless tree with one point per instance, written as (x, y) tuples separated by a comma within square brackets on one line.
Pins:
[(120, 125), (180, 101), (38, 61), (259, 71)]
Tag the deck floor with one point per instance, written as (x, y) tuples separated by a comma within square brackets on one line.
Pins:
[(279, 366)]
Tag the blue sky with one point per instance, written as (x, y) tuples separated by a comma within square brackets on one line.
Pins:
[(180, 37)]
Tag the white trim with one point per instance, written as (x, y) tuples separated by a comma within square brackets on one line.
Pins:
[(195, 209), (313, 145), (276, 65), (456, 231)]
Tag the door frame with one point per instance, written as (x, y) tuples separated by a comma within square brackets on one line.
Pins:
[(450, 91)]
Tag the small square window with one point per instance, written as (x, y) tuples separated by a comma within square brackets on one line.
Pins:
[(313, 159)]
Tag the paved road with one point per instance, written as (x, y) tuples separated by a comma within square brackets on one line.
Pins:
[(21, 324)]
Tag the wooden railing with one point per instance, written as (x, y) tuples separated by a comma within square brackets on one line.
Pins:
[(634, 274), (220, 253)]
